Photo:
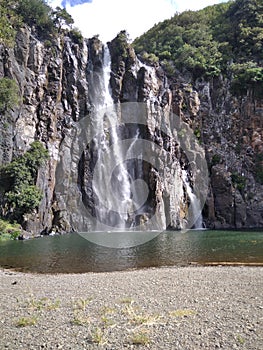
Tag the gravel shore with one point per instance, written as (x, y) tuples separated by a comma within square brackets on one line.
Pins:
[(179, 308)]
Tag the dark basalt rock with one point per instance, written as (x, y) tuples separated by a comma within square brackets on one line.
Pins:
[(57, 93)]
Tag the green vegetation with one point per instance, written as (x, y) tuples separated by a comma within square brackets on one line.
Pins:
[(9, 20), (137, 318), (119, 47), (140, 337), (62, 18), (76, 36), (80, 319), (239, 181), (43, 20), (98, 336), (43, 304), (247, 76), (26, 321), (182, 313), (101, 323), (240, 339), (35, 310), (9, 231), (127, 300), (81, 304), (216, 159), (17, 183), (226, 38), (35, 13), (9, 94), (197, 133), (121, 44)]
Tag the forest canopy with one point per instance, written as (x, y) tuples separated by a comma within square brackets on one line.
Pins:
[(35, 13), (224, 38)]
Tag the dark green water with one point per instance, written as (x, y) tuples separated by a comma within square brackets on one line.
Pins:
[(73, 254)]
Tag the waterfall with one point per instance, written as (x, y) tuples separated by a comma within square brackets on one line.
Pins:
[(111, 183), (121, 179), (196, 210)]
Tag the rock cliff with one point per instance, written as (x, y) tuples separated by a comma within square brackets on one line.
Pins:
[(58, 82)]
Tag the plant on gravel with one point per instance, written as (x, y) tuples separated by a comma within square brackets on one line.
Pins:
[(26, 321), (139, 318), (79, 309), (140, 337), (127, 300), (240, 339), (81, 304), (107, 322), (182, 313), (80, 319), (43, 303), (98, 336), (107, 310), (53, 305)]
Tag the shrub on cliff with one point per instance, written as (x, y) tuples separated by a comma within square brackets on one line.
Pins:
[(9, 94), (9, 19), (17, 183), (9, 230)]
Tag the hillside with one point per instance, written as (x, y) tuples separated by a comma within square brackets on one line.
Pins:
[(222, 39)]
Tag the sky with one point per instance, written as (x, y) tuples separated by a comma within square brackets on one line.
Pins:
[(108, 17)]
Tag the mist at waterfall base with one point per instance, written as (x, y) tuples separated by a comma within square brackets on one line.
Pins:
[(117, 160)]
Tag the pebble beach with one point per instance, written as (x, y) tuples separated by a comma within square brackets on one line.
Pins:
[(179, 308)]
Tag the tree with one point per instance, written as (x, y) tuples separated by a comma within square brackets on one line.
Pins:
[(246, 76), (62, 18), (17, 183), (36, 13)]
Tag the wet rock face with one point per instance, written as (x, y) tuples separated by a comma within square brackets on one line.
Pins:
[(58, 82), (232, 133)]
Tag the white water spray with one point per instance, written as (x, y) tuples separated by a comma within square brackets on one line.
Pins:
[(111, 186), (196, 210)]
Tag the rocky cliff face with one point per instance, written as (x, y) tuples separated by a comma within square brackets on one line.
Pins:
[(58, 82), (233, 137), (230, 129)]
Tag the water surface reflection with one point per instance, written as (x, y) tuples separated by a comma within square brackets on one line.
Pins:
[(73, 254)]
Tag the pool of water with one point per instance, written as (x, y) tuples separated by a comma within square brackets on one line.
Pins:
[(72, 253)]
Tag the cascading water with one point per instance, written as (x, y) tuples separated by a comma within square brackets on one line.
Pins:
[(121, 192), (196, 210), (111, 185)]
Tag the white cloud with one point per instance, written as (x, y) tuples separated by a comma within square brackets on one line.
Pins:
[(182, 5), (108, 17)]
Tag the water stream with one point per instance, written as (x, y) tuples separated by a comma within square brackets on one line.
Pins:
[(195, 206), (111, 183)]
